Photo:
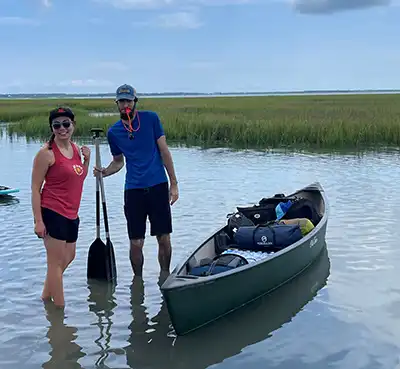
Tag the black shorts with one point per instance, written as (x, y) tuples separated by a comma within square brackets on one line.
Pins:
[(152, 202), (60, 227)]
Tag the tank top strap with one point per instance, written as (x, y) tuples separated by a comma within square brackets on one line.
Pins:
[(56, 151), (76, 151)]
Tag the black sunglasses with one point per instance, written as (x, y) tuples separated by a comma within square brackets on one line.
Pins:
[(58, 125)]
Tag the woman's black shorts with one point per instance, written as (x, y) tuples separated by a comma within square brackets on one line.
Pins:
[(60, 227), (152, 202)]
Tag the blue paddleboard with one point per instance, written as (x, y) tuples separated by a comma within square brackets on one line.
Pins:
[(7, 190)]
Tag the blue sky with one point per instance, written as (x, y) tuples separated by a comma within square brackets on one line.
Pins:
[(198, 45)]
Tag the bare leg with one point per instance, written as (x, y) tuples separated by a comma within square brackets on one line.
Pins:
[(55, 261), (69, 254), (68, 257), (164, 252), (46, 295), (136, 256)]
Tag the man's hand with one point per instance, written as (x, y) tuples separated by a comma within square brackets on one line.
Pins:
[(173, 193), (99, 170)]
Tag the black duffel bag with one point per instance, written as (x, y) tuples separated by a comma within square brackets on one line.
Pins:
[(267, 238), (235, 221), (303, 208), (264, 211), (220, 263)]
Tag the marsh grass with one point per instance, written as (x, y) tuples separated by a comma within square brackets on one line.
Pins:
[(325, 121)]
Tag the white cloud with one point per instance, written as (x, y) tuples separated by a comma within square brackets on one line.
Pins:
[(134, 4), (332, 6), (47, 3), (18, 21), (187, 20), (178, 20), (112, 65), (153, 4), (87, 83)]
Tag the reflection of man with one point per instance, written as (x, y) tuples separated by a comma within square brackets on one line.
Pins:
[(139, 137), (150, 342)]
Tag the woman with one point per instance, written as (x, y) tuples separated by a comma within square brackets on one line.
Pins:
[(55, 207)]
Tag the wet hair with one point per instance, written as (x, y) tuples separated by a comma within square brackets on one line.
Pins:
[(50, 142), (55, 113)]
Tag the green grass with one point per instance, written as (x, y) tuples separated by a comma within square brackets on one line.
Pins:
[(330, 121)]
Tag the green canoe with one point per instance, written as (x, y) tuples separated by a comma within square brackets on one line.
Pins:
[(194, 301)]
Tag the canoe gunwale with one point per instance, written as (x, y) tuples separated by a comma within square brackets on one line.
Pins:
[(195, 280)]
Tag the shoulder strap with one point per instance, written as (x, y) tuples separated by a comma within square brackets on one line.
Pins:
[(76, 149), (56, 151)]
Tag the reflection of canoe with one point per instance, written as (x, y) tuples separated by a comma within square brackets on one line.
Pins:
[(194, 301), (254, 323), (7, 190), (152, 344)]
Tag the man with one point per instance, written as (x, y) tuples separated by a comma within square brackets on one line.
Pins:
[(139, 138)]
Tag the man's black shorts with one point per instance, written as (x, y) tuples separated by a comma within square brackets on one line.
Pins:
[(60, 227), (152, 202)]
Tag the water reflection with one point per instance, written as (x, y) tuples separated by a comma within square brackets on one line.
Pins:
[(64, 352), (8, 200), (102, 303), (152, 343), (103, 114)]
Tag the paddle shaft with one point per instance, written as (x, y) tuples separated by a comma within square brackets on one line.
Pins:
[(100, 183), (103, 195), (97, 190)]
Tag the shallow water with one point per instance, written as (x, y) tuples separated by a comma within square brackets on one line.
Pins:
[(343, 313)]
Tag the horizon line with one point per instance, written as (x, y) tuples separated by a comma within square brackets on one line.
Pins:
[(177, 93)]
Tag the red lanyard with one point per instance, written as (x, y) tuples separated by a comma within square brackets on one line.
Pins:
[(129, 128)]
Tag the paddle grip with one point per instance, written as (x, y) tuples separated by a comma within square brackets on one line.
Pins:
[(96, 132)]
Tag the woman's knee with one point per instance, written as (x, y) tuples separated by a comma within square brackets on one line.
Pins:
[(70, 253), (55, 250)]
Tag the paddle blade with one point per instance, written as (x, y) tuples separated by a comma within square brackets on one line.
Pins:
[(101, 261)]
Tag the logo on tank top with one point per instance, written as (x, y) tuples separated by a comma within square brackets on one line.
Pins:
[(78, 169)]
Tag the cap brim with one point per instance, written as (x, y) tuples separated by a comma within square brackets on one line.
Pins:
[(125, 97)]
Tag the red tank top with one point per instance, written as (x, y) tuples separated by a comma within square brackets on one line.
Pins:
[(62, 191)]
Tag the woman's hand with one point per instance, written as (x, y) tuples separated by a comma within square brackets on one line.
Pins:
[(40, 229), (85, 153)]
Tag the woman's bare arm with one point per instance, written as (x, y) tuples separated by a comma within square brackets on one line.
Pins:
[(41, 164)]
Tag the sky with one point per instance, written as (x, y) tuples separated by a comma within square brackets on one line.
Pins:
[(92, 46)]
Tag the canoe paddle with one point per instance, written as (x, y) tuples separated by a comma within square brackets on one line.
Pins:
[(101, 258)]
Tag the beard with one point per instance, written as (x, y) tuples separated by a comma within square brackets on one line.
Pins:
[(125, 116)]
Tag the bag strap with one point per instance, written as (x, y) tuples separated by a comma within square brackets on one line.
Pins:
[(216, 259)]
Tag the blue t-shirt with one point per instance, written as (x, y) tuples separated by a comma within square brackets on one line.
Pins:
[(144, 165)]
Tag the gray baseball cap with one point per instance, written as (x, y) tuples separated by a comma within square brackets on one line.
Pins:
[(125, 92)]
